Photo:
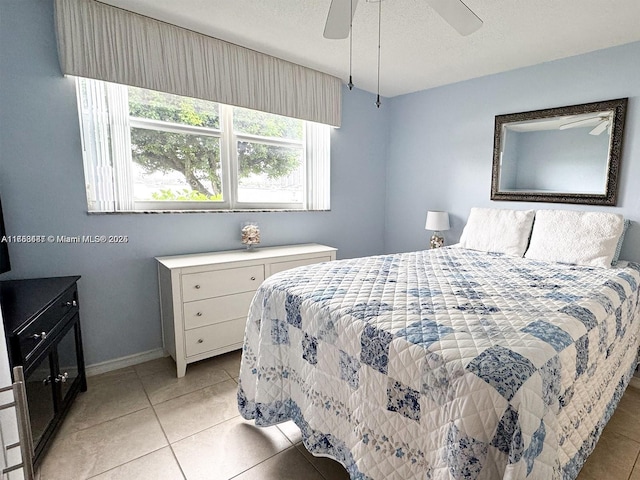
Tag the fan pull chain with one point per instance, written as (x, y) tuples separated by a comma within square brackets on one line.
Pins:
[(378, 103), (350, 84)]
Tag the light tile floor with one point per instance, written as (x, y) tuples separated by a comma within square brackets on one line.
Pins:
[(142, 423)]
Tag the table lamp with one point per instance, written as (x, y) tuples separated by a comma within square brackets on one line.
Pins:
[(437, 222)]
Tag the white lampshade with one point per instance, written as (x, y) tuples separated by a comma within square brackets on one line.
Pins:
[(437, 221)]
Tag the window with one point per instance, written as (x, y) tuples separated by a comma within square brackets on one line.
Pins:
[(148, 150)]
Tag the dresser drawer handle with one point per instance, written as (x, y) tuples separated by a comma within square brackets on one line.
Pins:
[(70, 304), (200, 340), (39, 336), (199, 314), (253, 278), (197, 286)]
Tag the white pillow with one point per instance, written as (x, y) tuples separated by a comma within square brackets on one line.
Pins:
[(496, 230), (581, 238), (616, 256)]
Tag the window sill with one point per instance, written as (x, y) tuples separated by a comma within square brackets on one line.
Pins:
[(252, 210)]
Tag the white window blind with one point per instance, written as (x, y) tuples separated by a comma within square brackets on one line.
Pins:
[(318, 175), (107, 43), (106, 144)]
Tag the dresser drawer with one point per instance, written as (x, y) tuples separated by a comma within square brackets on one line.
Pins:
[(46, 324), (282, 266), (197, 286), (212, 337), (216, 310)]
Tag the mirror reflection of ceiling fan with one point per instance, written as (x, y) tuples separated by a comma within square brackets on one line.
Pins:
[(600, 123), (454, 12)]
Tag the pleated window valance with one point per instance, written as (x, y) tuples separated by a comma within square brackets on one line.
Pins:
[(107, 43)]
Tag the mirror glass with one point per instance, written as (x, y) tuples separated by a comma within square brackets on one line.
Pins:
[(567, 154)]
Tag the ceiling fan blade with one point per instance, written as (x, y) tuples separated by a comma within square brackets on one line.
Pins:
[(577, 123), (458, 15), (339, 19), (601, 127)]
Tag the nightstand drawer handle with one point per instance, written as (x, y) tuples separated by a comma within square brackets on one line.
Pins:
[(197, 286), (39, 336), (199, 314), (200, 340), (70, 304), (253, 278)]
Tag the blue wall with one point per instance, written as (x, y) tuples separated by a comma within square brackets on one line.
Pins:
[(42, 189), (441, 141)]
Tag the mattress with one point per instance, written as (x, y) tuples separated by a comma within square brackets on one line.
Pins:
[(443, 364)]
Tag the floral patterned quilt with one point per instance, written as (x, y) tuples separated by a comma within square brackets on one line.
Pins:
[(443, 364)]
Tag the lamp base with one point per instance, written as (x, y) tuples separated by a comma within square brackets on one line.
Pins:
[(436, 241)]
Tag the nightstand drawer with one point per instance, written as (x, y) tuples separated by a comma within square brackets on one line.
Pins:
[(216, 310), (198, 286), (48, 323), (212, 337)]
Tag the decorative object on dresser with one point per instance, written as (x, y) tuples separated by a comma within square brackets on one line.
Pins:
[(205, 297), (437, 222), (250, 234), (42, 325)]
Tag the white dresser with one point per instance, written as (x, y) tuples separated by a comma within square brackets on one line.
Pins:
[(205, 297)]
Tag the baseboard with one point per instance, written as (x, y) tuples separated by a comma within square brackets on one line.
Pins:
[(122, 362)]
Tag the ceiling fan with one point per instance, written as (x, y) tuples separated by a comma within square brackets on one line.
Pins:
[(602, 123), (454, 12)]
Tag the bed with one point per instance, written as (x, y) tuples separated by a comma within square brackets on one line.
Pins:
[(443, 364)]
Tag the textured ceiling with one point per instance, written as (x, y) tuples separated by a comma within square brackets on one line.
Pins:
[(419, 50)]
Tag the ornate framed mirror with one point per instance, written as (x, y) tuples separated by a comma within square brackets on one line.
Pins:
[(567, 154)]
